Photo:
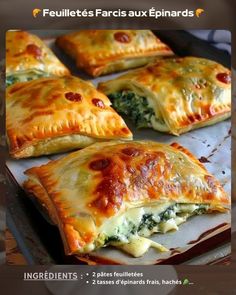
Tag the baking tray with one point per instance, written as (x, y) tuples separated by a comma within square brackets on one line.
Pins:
[(40, 241)]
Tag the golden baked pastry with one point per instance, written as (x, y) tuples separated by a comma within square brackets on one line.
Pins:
[(51, 115), (173, 95), (100, 52), (120, 193), (28, 58)]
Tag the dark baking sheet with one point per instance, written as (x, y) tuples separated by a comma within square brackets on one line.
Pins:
[(40, 241)]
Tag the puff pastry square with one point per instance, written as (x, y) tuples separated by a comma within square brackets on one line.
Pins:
[(28, 57), (173, 95), (51, 115), (100, 52), (120, 193)]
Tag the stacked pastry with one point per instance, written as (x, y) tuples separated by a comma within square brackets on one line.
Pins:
[(112, 191)]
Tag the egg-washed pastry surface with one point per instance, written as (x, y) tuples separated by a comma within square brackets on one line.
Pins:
[(101, 52), (120, 193), (28, 58), (51, 115), (173, 95)]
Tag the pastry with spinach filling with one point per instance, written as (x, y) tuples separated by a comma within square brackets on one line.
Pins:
[(25, 76), (121, 193), (173, 95), (136, 107), (28, 58)]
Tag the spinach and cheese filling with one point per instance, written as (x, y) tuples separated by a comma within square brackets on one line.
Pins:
[(139, 109), (24, 76), (131, 229)]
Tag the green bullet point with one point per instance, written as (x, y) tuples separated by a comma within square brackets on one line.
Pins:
[(185, 282)]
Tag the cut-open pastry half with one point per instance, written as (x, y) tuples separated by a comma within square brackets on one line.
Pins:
[(120, 193), (173, 95)]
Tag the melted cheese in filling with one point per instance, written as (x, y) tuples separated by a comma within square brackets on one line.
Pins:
[(159, 125), (156, 121), (120, 225), (139, 246), (24, 76), (130, 230)]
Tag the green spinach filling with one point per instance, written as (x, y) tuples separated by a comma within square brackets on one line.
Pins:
[(12, 79), (150, 221), (134, 106), (24, 77), (123, 232)]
